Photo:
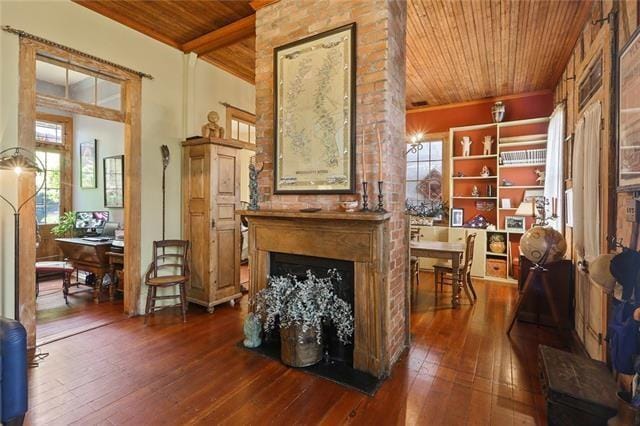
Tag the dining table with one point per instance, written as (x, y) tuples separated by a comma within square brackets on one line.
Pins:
[(446, 251)]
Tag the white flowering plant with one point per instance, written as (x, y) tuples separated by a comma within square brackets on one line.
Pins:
[(307, 303)]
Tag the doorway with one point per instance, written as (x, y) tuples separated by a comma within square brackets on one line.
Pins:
[(126, 110)]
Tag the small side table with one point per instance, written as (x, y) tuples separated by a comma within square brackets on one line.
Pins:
[(64, 268)]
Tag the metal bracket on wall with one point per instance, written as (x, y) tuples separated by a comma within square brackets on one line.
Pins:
[(603, 20)]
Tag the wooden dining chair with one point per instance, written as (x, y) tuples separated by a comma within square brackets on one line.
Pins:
[(169, 268), (443, 273), (414, 261)]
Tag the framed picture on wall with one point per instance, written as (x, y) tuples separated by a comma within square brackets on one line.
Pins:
[(314, 120), (88, 164), (457, 217), (514, 223), (114, 181), (628, 115)]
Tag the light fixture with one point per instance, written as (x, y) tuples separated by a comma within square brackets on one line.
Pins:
[(19, 160), (416, 143)]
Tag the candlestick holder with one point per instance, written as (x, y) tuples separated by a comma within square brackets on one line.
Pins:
[(380, 198), (365, 197)]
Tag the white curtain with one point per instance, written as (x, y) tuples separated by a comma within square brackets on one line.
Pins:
[(586, 183), (554, 179)]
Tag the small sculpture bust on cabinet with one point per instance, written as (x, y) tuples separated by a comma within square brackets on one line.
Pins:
[(541, 176), (466, 146), (485, 171), (487, 143), (212, 129)]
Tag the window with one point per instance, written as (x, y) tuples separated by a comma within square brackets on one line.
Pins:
[(56, 78), (241, 125), (47, 132), (424, 171), (48, 199)]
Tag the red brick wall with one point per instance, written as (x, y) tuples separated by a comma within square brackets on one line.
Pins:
[(380, 88)]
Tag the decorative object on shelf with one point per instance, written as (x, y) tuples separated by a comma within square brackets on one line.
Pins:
[(380, 208), (348, 206), (532, 195), (433, 209), (88, 164), (506, 182), (497, 243), (19, 160), (302, 306), (365, 197), (543, 245), (485, 206), (491, 227), (498, 111), (212, 130), (254, 173), (114, 181), (628, 114), (514, 223), (459, 174), (164, 151), (466, 146), (540, 176), (457, 217), (489, 190), (486, 144), (314, 131), (505, 203), (475, 192), (486, 172), (478, 221), (252, 329)]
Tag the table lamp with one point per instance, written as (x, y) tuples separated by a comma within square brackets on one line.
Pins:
[(19, 160)]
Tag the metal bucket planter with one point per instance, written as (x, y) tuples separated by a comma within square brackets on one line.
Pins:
[(298, 348)]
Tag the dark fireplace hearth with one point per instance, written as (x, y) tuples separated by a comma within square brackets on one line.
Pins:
[(291, 264)]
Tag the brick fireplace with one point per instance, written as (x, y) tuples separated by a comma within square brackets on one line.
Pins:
[(380, 100)]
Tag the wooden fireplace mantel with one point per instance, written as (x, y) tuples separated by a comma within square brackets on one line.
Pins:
[(362, 238)]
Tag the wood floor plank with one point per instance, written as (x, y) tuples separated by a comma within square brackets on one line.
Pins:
[(460, 369)]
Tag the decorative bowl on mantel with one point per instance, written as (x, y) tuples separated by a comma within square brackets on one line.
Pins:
[(348, 206)]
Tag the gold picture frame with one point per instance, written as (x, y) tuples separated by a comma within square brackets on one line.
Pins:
[(314, 114)]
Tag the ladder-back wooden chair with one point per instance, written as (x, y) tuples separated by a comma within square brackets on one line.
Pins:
[(443, 274), (170, 267)]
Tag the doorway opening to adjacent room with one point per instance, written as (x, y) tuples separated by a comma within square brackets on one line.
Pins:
[(61, 92)]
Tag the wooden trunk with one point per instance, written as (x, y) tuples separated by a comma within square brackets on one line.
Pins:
[(298, 348), (211, 194)]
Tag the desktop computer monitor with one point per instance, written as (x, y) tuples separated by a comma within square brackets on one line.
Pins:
[(91, 222)]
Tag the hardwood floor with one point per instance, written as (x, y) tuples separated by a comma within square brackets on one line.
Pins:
[(461, 369)]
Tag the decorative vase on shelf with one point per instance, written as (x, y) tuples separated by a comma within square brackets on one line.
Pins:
[(497, 244), (497, 112)]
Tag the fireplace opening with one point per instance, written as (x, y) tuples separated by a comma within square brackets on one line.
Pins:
[(282, 264)]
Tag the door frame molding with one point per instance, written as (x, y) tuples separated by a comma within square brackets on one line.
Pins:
[(131, 118)]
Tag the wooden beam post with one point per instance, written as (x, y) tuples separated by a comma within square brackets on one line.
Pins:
[(224, 36)]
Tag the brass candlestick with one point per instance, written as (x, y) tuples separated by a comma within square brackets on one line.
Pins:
[(365, 198), (380, 198)]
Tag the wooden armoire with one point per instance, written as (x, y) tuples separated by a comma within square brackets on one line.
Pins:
[(211, 195)]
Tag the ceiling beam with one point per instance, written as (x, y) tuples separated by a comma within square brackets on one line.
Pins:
[(223, 36), (479, 101), (259, 4)]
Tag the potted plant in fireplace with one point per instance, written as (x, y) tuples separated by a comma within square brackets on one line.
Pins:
[(300, 306)]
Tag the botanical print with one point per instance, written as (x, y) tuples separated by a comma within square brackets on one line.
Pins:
[(313, 136)]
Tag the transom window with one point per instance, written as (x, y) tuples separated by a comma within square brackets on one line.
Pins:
[(48, 199), (47, 132), (424, 171), (241, 125)]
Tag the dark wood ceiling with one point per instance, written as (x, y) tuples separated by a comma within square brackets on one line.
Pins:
[(457, 50)]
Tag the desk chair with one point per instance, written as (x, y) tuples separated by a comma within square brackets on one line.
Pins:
[(443, 273), (170, 267)]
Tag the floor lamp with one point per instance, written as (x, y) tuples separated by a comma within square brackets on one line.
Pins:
[(19, 160)]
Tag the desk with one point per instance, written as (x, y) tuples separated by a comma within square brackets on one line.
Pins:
[(90, 256), (441, 250), (116, 263)]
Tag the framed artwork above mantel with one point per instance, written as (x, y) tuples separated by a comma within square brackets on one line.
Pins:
[(314, 119)]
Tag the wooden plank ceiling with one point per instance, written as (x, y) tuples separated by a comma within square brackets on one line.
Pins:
[(457, 50)]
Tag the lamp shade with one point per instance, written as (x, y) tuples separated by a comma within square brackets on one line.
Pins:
[(19, 160), (526, 209)]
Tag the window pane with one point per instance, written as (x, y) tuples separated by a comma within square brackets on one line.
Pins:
[(109, 94), (52, 205), (252, 134), (243, 132), (53, 161), (437, 165), (48, 132), (40, 213), (53, 179), (423, 169), (234, 129), (412, 171), (50, 79), (411, 156), (82, 87), (411, 188), (436, 150)]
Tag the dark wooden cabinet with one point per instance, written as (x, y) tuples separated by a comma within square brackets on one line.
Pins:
[(535, 308)]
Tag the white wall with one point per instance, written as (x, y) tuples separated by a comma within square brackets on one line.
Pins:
[(162, 105), (110, 136)]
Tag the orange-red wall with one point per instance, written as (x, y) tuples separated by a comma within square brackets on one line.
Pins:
[(441, 119)]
